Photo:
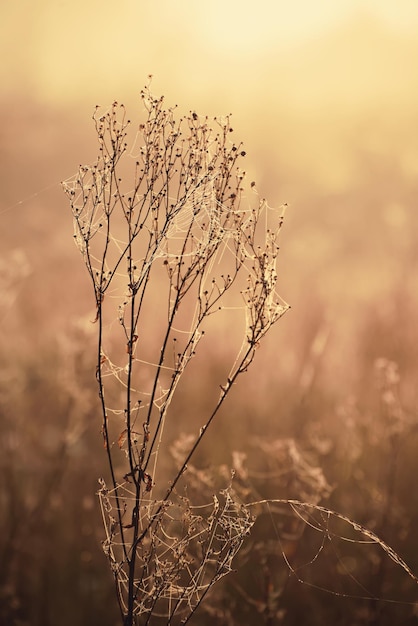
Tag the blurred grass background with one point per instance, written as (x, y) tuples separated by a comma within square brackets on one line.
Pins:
[(325, 98)]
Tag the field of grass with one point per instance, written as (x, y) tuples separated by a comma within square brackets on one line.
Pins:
[(327, 414)]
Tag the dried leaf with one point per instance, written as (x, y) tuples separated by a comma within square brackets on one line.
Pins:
[(122, 438)]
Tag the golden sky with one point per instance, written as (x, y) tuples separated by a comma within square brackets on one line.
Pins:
[(324, 95), (285, 69), (71, 50), (304, 80)]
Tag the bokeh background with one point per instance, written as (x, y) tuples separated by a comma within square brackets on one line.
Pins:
[(324, 96)]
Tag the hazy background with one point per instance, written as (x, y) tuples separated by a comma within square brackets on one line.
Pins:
[(324, 96)]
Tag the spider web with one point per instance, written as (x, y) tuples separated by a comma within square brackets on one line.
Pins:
[(328, 524), (185, 550), (181, 232)]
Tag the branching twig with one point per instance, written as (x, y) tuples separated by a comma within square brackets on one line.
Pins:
[(179, 228)]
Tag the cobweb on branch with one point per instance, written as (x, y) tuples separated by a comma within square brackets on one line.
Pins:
[(301, 540), (184, 552), (332, 529)]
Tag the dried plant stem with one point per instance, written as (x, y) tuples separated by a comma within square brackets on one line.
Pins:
[(177, 226)]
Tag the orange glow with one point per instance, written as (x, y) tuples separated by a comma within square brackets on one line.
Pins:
[(324, 96)]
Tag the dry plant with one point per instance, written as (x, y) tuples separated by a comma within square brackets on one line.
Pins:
[(171, 243), (169, 239)]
